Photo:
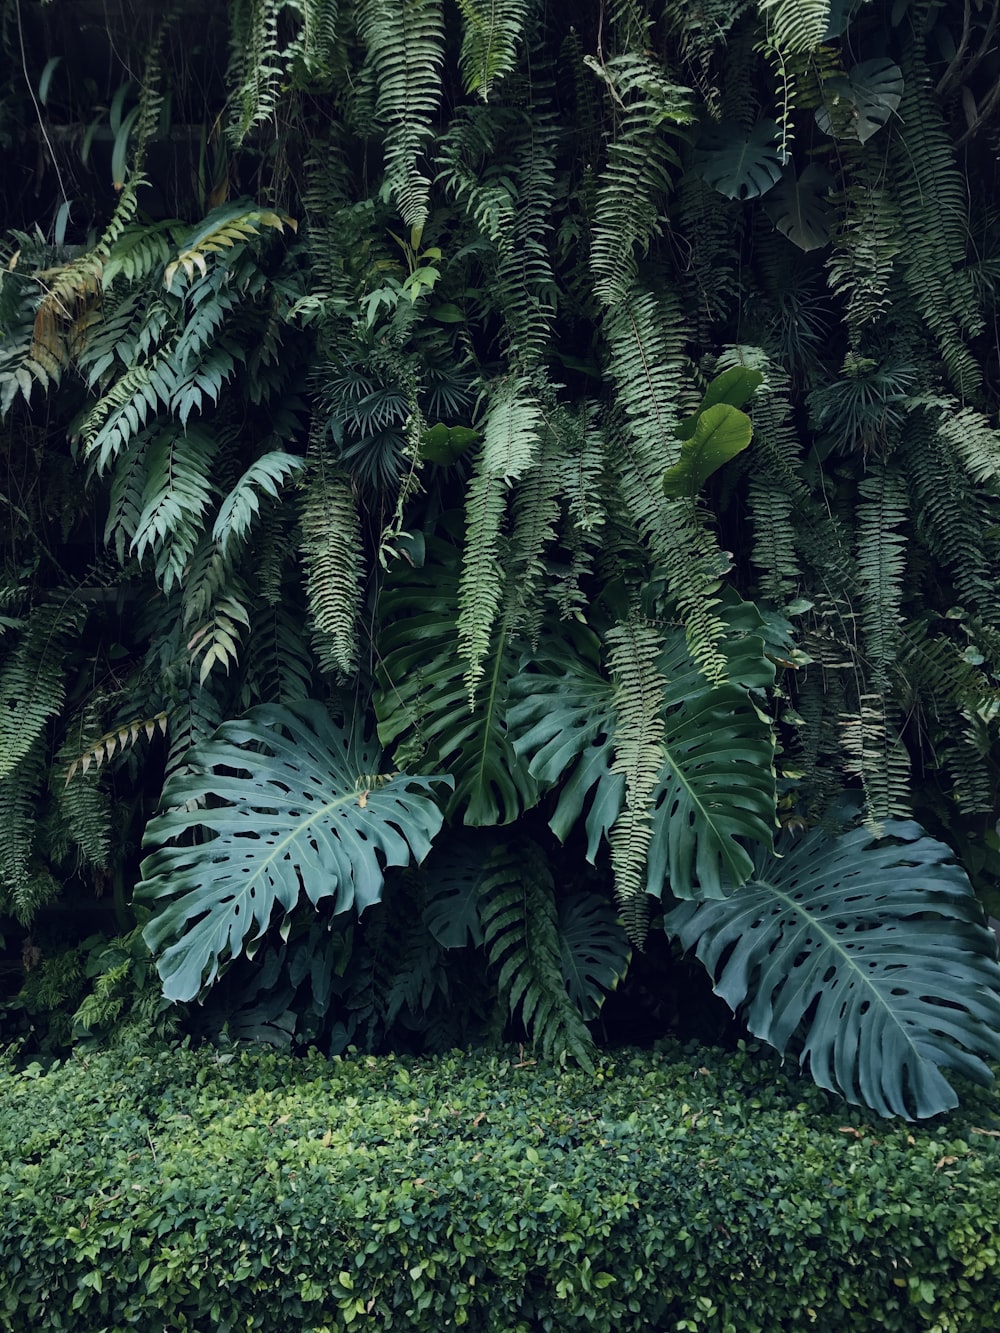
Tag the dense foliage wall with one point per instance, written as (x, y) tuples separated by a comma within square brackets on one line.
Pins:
[(551, 446)]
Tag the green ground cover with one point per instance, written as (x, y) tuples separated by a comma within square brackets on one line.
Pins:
[(681, 1190)]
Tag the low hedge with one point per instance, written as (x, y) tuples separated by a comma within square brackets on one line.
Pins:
[(185, 1190)]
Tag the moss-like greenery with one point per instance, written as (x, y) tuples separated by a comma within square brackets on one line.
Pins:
[(681, 1190)]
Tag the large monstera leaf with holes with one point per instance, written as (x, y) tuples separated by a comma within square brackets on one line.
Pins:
[(870, 957), (280, 804)]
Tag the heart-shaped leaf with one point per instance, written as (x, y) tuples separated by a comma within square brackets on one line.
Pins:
[(858, 105), (799, 209)]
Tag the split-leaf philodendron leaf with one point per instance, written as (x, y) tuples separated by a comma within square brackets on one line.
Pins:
[(292, 805), (872, 957)]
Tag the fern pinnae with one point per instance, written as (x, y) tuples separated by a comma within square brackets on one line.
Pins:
[(640, 750), (881, 566), (32, 685), (510, 449), (633, 185), (333, 561), (517, 911), (493, 32), (405, 42)]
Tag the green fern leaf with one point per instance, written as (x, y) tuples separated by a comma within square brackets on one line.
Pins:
[(405, 41), (268, 474), (520, 929), (493, 32)]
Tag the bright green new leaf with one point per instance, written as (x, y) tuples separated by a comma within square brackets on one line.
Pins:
[(735, 386), (283, 802), (721, 432), (870, 957)]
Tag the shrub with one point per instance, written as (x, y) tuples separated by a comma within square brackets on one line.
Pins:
[(193, 1190)]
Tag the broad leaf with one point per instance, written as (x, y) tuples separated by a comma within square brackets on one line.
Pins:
[(290, 803), (562, 721), (423, 702), (446, 444), (717, 789), (594, 950), (735, 386), (455, 877), (872, 955), (721, 432), (799, 209), (740, 163), (859, 105)]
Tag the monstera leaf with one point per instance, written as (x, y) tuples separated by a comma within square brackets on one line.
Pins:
[(290, 804), (562, 720), (423, 700), (799, 209), (872, 955), (740, 163), (716, 786), (858, 105), (455, 877), (594, 950)]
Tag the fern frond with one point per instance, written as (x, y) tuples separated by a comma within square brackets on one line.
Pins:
[(255, 64), (868, 241), (242, 505), (279, 665), (405, 41), (632, 187), (932, 197), (876, 754), (334, 564), (175, 499), (32, 685), (639, 742), (511, 442), (20, 793), (493, 32), (881, 566), (517, 910), (795, 25), (82, 807), (969, 434), (224, 228), (645, 366), (79, 755)]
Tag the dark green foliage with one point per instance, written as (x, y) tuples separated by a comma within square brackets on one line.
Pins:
[(511, 378), (224, 1189)]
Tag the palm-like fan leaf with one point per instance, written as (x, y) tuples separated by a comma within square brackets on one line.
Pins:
[(291, 803), (873, 954)]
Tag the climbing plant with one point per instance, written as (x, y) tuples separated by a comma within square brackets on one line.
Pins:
[(477, 475)]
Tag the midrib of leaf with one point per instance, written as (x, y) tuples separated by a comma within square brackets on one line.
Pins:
[(831, 939), (291, 836)]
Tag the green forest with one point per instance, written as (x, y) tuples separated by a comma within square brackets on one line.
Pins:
[(500, 527)]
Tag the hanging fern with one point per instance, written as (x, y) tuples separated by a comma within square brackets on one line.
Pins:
[(333, 562), (881, 565), (519, 922), (405, 41), (639, 754), (32, 684), (632, 188), (511, 442), (493, 32)]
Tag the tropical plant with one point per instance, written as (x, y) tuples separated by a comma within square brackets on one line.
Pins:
[(594, 402)]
